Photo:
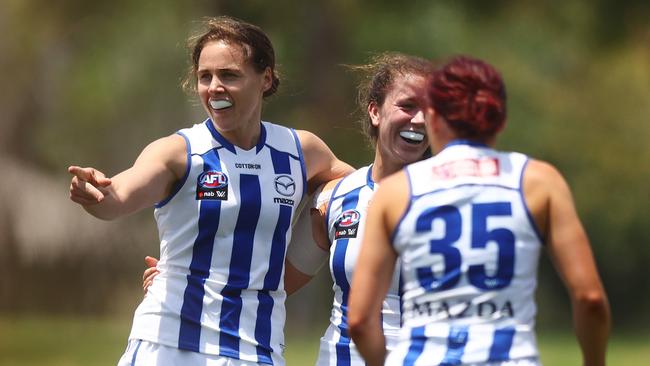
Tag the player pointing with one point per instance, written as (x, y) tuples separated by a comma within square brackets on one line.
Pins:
[(225, 193)]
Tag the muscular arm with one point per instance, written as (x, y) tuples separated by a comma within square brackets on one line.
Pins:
[(151, 178), (550, 200), (322, 165), (374, 270)]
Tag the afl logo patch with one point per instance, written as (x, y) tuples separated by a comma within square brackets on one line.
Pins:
[(213, 179), (285, 185), (347, 224), (348, 218), (212, 185)]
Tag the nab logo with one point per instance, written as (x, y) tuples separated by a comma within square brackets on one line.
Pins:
[(349, 218), (212, 185), (213, 179), (285, 185), (347, 225)]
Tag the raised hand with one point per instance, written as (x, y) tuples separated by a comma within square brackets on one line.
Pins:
[(86, 185)]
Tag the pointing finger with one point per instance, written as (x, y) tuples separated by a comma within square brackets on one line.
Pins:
[(84, 191), (91, 175)]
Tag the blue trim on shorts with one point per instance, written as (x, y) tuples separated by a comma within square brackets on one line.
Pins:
[(135, 353)]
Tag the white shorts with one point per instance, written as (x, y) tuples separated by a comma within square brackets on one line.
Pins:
[(522, 362), (533, 361), (144, 353)]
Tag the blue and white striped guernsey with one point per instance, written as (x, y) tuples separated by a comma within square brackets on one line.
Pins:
[(346, 218), (223, 236), (469, 252)]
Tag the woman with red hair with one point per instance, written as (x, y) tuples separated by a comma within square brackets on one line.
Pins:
[(468, 225)]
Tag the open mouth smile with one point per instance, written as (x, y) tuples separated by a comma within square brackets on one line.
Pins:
[(220, 104), (412, 137)]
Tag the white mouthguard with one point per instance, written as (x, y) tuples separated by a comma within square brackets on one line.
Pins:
[(412, 135), (220, 104)]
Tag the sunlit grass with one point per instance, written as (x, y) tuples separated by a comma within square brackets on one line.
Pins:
[(71, 341)]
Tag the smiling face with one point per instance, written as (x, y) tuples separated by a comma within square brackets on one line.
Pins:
[(401, 136), (231, 91)]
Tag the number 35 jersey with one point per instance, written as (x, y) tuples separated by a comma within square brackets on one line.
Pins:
[(469, 252)]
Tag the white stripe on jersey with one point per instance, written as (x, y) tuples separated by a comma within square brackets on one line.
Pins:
[(346, 217), (469, 252), (223, 237)]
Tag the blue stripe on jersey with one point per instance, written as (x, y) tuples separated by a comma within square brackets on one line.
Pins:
[(240, 263), (181, 182), (456, 342), (271, 283), (276, 262), (369, 182), (280, 161), (418, 339), (262, 139), (350, 201), (400, 291), (263, 327), (500, 350), (209, 214), (329, 206), (220, 139), (301, 157)]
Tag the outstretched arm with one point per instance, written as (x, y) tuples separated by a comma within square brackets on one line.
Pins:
[(551, 203), (151, 178)]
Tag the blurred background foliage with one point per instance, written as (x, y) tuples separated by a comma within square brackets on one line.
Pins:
[(91, 83)]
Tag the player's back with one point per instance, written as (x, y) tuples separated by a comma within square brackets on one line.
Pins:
[(469, 252)]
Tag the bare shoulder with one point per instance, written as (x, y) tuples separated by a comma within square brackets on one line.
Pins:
[(542, 176), (394, 188), (169, 152), (313, 145), (540, 171), (172, 144), (544, 188), (395, 182), (322, 165), (306, 137)]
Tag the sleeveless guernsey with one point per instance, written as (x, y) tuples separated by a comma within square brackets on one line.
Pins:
[(346, 218), (223, 236), (469, 252)]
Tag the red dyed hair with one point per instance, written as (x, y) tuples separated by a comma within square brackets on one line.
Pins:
[(471, 96)]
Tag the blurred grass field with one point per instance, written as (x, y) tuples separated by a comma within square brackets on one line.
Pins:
[(70, 341)]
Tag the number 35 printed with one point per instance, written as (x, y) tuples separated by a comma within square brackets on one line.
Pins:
[(477, 276)]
